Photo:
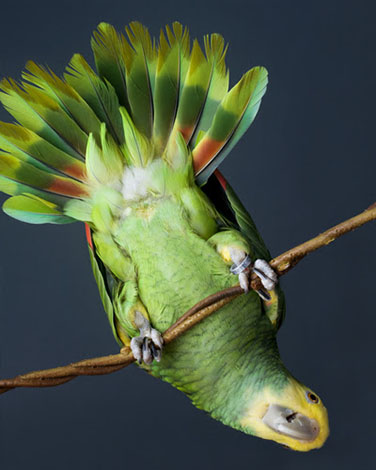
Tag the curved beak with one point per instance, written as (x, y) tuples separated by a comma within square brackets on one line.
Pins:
[(286, 421)]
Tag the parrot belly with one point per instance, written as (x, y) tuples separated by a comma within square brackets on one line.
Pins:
[(176, 268)]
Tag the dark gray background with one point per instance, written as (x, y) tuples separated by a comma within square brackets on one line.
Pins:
[(307, 163)]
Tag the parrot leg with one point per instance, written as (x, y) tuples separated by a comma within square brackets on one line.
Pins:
[(243, 264), (232, 247), (148, 345)]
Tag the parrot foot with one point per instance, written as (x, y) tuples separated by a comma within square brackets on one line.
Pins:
[(243, 265), (148, 345), (267, 276)]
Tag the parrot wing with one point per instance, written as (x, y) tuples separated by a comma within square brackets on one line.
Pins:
[(105, 282), (236, 216)]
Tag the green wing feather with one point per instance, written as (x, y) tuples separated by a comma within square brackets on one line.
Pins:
[(103, 279), (194, 92), (179, 34), (99, 94), (31, 148), (36, 111), (215, 50), (65, 95), (229, 205), (171, 70), (140, 64), (15, 188), (21, 172), (110, 51), (232, 118), (34, 210)]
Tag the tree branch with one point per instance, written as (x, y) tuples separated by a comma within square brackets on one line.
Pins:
[(108, 364)]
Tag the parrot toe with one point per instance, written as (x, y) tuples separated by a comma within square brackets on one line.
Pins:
[(244, 282), (147, 356), (243, 264), (136, 348), (263, 270), (148, 345)]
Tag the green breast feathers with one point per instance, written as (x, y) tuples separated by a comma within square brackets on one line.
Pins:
[(131, 150)]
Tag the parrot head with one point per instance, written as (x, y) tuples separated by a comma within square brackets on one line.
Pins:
[(293, 416)]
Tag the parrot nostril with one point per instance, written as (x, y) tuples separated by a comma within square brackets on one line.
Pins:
[(290, 418)]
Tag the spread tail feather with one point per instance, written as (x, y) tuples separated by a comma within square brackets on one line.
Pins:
[(145, 101)]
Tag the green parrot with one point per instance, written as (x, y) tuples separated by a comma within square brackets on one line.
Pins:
[(132, 151)]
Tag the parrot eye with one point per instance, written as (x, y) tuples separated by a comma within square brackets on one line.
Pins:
[(312, 398)]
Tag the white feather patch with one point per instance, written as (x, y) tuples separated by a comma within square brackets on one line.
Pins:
[(138, 181)]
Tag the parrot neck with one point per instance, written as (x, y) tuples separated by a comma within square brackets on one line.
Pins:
[(226, 360)]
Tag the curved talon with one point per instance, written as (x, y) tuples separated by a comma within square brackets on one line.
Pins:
[(156, 338), (156, 352), (263, 294), (147, 355)]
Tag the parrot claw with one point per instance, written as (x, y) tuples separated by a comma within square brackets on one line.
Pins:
[(263, 270), (264, 295), (148, 345)]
